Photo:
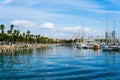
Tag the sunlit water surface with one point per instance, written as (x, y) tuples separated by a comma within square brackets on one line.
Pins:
[(59, 63)]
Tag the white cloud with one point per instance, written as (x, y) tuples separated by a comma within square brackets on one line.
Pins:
[(72, 29), (8, 1), (48, 25), (28, 24), (24, 23), (77, 28), (50, 30)]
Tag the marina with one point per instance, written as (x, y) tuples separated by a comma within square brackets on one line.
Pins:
[(60, 62), (59, 40)]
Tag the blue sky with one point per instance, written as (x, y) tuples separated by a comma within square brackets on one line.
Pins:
[(60, 18)]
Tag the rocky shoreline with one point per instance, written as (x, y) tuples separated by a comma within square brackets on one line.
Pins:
[(8, 48)]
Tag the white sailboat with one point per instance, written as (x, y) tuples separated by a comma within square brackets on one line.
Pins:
[(80, 41), (110, 47), (107, 36)]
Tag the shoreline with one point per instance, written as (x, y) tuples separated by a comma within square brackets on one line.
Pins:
[(8, 48)]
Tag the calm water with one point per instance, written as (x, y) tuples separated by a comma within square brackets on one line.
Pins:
[(60, 63)]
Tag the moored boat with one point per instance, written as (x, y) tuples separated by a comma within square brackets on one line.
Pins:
[(107, 48), (96, 46)]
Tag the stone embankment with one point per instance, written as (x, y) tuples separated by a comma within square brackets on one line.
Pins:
[(7, 48)]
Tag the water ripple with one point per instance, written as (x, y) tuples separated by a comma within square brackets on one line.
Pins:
[(60, 63)]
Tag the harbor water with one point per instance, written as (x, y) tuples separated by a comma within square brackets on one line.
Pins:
[(60, 63)]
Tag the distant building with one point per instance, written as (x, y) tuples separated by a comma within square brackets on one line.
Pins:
[(113, 34), (107, 37)]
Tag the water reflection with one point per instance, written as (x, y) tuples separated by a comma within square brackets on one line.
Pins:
[(59, 63)]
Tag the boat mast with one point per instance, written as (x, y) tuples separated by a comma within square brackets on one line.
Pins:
[(113, 34), (83, 32), (107, 30), (79, 36)]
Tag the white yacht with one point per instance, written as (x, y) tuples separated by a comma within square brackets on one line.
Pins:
[(107, 48)]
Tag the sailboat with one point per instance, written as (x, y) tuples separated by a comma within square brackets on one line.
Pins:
[(115, 47), (80, 41), (76, 45), (107, 37), (112, 47)]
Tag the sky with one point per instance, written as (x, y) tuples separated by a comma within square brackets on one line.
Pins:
[(61, 18)]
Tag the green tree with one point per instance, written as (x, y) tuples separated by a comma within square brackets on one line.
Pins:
[(11, 28), (23, 34), (2, 27), (28, 36), (28, 33), (9, 32)]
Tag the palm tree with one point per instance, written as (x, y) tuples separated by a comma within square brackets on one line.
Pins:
[(9, 32), (23, 34), (16, 35), (28, 33), (32, 36), (15, 32), (21, 38), (2, 27), (39, 36), (28, 36), (11, 26), (18, 32)]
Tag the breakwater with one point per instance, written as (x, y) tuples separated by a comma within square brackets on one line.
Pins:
[(7, 48)]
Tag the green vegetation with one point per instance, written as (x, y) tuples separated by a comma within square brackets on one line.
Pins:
[(13, 36)]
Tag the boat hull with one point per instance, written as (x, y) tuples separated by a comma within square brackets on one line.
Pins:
[(107, 49)]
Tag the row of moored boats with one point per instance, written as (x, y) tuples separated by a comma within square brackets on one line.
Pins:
[(104, 47)]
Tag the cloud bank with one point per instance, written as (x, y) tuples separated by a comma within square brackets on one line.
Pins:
[(24, 23), (51, 30)]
